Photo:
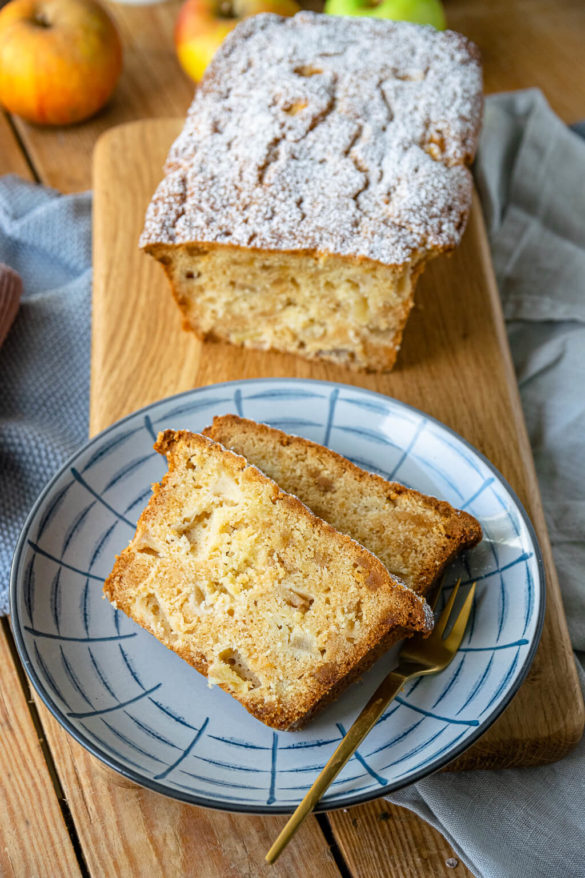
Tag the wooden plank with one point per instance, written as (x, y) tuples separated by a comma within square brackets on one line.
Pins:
[(528, 44), (513, 35), (174, 365), (400, 845), (12, 158), (455, 365), (33, 836), (34, 839), (126, 830), (152, 84)]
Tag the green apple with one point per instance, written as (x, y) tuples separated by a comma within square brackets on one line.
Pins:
[(417, 11)]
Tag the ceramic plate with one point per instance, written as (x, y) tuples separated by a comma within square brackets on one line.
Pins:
[(147, 714)]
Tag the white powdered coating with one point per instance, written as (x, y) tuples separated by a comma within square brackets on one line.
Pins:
[(336, 135)]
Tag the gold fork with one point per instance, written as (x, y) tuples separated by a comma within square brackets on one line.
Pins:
[(418, 656)]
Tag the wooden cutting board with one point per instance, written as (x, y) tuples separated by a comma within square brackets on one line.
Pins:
[(454, 364)]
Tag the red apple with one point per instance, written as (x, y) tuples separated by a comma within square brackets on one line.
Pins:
[(59, 59), (202, 26)]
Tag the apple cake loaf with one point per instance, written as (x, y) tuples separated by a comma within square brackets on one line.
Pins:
[(414, 535), (251, 588), (322, 163)]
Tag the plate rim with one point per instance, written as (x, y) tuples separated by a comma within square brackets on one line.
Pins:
[(230, 807)]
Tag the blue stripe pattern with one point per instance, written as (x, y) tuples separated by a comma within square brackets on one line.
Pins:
[(185, 752), (40, 551), (52, 508), (75, 525), (139, 706), (55, 600), (65, 638), (273, 760), (108, 447), (29, 590), (79, 478), (330, 417), (149, 428), (408, 450), (129, 741), (118, 706), (358, 756)]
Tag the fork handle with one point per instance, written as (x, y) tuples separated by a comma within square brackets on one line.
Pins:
[(390, 686)]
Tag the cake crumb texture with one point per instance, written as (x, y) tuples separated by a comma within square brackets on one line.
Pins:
[(251, 588), (414, 535)]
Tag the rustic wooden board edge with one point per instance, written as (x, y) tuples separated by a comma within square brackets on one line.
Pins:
[(484, 752), (202, 369), (571, 727)]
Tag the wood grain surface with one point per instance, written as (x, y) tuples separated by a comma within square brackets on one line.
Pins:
[(34, 835), (454, 365), (28, 799), (125, 830), (524, 43), (401, 847)]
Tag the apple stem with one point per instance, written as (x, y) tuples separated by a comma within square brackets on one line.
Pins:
[(40, 19)]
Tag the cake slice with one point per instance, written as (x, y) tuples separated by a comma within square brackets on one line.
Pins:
[(323, 162), (251, 588), (415, 536)]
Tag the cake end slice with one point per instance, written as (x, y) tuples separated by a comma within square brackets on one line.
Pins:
[(252, 589), (414, 535)]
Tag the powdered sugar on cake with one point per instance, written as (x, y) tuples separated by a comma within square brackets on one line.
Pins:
[(336, 135)]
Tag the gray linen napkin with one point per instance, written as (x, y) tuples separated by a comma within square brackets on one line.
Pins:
[(531, 175), (44, 361)]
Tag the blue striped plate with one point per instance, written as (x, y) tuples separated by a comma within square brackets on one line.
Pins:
[(147, 714)]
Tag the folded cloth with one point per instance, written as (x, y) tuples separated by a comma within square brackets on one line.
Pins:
[(10, 293), (44, 361), (530, 171)]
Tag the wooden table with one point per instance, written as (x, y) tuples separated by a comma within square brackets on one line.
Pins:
[(536, 43)]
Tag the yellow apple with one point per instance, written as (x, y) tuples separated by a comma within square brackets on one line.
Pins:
[(59, 59), (202, 26)]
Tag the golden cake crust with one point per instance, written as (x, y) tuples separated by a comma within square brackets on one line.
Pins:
[(397, 518), (247, 624)]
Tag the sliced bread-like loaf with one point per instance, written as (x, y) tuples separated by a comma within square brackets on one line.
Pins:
[(247, 585), (323, 162), (415, 536)]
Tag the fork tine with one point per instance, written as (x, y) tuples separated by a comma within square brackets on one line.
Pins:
[(453, 641), (444, 617)]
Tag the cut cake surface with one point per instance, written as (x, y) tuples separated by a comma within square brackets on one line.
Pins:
[(323, 161), (414, 535), (248, 586)]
